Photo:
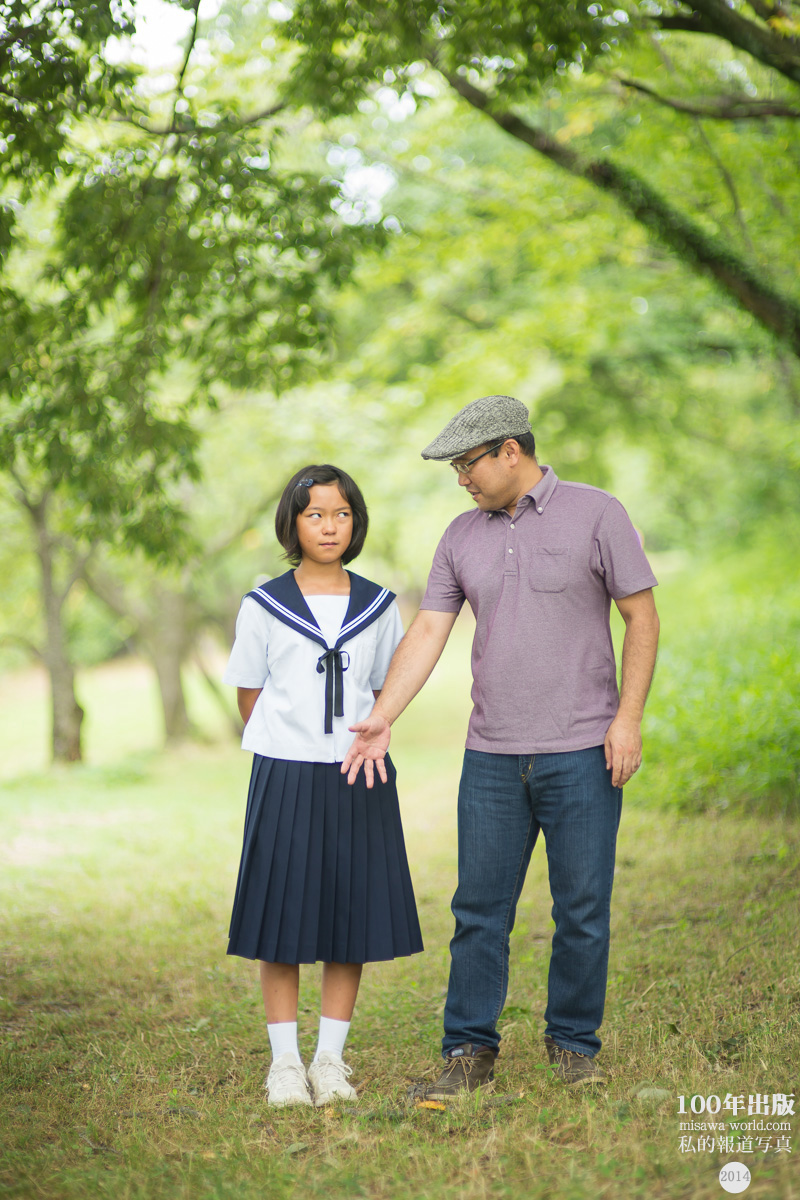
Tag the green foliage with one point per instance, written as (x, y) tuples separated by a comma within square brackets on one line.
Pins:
[(51, 71), (722, 726), (551, 76), (638, 375), (134, 1051), (513, 46), (159, 228)]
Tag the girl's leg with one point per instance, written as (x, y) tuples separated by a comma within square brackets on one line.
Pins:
[(280, 985), (339, 989), (328, 1073)]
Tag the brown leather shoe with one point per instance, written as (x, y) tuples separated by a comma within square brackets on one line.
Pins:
[(466, 1068), (572, 1067)]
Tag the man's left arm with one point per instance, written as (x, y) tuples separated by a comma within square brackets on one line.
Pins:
[(623, 744)]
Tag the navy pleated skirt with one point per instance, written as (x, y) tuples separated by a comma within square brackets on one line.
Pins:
[(323, 875)]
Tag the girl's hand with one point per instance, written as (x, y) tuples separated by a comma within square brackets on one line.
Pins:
[(368, 749)]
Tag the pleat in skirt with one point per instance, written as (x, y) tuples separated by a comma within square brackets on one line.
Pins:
[(323, 875)]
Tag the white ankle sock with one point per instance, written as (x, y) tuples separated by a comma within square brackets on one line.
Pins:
[(332, 1036), (283, 1039)]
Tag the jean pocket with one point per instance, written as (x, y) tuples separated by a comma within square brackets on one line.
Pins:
[(549, 570)]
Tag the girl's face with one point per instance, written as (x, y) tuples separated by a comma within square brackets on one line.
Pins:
[(325, 527)]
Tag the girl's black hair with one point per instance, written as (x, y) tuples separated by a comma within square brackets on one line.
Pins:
[(296, 497)]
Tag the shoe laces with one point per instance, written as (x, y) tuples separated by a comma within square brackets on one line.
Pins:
[(330, 1070), (563, 1056), (291, 1072), (465, 1061)]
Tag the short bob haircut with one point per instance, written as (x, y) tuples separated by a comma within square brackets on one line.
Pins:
[(296, 498)]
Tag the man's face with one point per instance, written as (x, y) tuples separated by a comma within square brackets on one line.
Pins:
[(488, 479)]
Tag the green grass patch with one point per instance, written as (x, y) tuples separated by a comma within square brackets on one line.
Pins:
[(134, 1051), (722, 725)]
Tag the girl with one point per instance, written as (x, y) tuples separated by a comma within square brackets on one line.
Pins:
[(323, 875)]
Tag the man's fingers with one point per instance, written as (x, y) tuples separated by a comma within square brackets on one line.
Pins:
[(368, 773), (625, 768), (354, 769), (381, 765)]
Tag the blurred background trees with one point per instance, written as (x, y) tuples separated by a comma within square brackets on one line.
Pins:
[(322, 227)]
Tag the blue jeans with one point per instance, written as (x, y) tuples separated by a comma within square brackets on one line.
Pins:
[(503, 802)]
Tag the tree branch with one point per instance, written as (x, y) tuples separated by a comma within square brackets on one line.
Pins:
[(187, 56), (778, 313), (78, 571), (716, 108), (182, 128), (780, 53), (226, 540), (766, 10), (26, 643), (112, 594), (219, 695), (730, 184)]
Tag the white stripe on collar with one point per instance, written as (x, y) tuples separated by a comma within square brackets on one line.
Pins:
[(288, 612), (362, 616)]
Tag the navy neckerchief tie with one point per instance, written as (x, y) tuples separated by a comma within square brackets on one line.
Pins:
[(333, 666)]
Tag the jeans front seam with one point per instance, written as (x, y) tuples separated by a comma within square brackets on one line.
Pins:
[(503, 959), (527, 774)]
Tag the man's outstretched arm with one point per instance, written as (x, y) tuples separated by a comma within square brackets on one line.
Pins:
[(623, 744), (411, 664)]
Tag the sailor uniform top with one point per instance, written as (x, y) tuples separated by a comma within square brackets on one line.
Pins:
[(317, 660)]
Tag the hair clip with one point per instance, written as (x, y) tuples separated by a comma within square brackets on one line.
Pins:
[(304, 483)]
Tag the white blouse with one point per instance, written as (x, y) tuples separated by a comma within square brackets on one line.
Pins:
[(288, 720)]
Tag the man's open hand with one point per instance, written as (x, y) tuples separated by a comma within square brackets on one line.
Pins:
[(368, 749), (623, 747)]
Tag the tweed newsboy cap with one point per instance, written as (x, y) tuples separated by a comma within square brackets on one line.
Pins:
[(483, 420)]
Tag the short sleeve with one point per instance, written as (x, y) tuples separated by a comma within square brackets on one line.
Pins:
[(390, 633), (444, 592), (623, 563), (247, 665)]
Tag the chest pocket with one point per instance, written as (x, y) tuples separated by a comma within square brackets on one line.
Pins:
[(362, 650), (549, 570)]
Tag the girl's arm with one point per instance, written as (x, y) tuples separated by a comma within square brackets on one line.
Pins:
[(246, 699)]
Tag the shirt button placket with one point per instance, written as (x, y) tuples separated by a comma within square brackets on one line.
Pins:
[(511, 565)]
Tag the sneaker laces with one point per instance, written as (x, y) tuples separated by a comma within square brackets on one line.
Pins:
[(291, 1072), (331, 1070)]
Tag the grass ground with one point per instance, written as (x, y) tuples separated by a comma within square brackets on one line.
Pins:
[(133, 1051)]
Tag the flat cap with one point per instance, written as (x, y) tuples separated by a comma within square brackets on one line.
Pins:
[(483, 420)]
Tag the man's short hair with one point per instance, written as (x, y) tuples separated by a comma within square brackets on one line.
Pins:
[(525, 441)]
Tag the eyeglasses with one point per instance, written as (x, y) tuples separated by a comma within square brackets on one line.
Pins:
[(463, 468)]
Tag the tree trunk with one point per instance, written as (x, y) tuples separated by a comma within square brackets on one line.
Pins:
[(168, 642), (67, 714)]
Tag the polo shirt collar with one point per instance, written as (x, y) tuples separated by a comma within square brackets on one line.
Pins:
[(539, 494), (543, 490)]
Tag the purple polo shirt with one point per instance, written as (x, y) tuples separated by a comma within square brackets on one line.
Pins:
[(540, 584)]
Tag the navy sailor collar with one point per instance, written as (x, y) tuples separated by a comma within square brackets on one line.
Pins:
[(282, 597)]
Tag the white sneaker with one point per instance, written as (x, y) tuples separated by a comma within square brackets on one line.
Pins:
[(328, 1078), (287, 1083)]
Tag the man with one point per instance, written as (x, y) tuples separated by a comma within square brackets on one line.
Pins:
[(551, 740)]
